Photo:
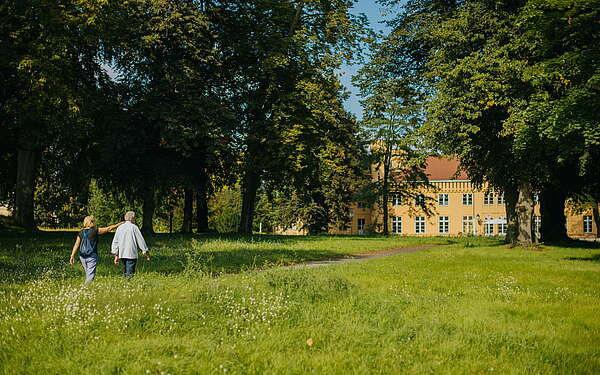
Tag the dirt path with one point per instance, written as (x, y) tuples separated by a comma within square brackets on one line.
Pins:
[(363, 257)]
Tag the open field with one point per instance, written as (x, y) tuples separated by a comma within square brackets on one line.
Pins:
[(202, 306)]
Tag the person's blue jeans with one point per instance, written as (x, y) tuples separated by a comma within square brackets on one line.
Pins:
[(128, 266), (89, 266)]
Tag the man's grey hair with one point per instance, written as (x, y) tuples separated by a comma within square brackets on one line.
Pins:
[(129, 215)]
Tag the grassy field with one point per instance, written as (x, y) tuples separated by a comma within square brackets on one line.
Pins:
[(216, 305)]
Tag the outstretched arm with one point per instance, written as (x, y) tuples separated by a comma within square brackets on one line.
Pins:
[(109, 228), (74, 251)]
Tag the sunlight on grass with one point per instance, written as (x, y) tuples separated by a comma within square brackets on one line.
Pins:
[(473, 306)]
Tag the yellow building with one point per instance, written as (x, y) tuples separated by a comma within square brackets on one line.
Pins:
[(455, 206)]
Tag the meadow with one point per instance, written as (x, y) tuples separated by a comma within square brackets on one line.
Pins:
[(209, 304)]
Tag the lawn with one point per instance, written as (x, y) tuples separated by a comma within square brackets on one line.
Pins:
[(224, 304)]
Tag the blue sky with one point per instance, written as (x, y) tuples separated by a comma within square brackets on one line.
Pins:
[(375, 15)]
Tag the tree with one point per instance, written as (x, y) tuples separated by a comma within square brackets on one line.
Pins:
[(274, 43), (49, 64), (563, 40), (166, 102), (391, 119)]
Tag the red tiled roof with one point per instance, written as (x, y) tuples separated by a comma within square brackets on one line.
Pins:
[(444, 168)]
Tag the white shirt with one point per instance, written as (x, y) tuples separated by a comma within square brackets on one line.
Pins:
[(127, 240)]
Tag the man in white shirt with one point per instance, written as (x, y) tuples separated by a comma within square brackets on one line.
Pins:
[(126, 242)]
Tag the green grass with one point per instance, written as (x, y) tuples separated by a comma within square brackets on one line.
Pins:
[(222, 304)]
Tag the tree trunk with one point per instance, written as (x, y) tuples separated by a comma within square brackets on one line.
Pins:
[(249, 188), (386, 193), (511, 195), (524, 211), (552, 209), (148, 209), (188, 210), (596, 216), (202, 207), (27, 165)]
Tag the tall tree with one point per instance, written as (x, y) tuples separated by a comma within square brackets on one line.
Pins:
[(49, 61), (392, 114), (274, 43)]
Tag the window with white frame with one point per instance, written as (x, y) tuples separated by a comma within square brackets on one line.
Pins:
[(587, 224), (420, 200), (537, 225), (488, 227), (396, 199), (501, 198), (467, 199), (536, 198), (443, 199), (488, 198), (361, 226), (467, 224), (419, 224), (502, 226), (397, 224), (444, 224)]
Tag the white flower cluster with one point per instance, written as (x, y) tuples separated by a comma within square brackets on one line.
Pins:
[(244, 312), (506, 286), (60, 306)]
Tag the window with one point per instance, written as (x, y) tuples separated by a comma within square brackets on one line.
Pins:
[(467, 224), (537, 224), (420, 200), (444, 224), (362, 205), (420, 224), (442, 199), (488, 227), (488, 198), (397, 224), (396, 199), (361, 226), (536, 198), (501, 198), (502, 226), (587, 224), (467, 199)]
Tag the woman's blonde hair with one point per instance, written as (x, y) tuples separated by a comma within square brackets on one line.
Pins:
[(89, 222)]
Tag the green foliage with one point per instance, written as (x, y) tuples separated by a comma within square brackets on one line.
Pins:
[(225, 210), (108, 207)]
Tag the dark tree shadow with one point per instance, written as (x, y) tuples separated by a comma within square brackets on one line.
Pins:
[(593, 258), (28, 257), (575, 244)]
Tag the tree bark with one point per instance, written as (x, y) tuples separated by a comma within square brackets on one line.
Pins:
[(386, 187), (511, 195), (148, 209), (188, 210), (249, 188), (27, 165), (202, 207), (596, 216), (525, 214), (552, 209)]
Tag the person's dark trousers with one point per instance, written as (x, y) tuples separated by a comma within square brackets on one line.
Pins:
[(128, 266)]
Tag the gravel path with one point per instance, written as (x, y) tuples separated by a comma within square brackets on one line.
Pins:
[(363, 257)]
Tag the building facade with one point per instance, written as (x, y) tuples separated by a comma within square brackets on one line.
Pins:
[(450, 205)]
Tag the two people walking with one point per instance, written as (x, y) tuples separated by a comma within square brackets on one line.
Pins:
[(128, 239)]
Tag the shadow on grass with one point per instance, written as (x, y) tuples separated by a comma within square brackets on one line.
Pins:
[(575, 244), (593, 258), (21, 265), (27, 256)]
